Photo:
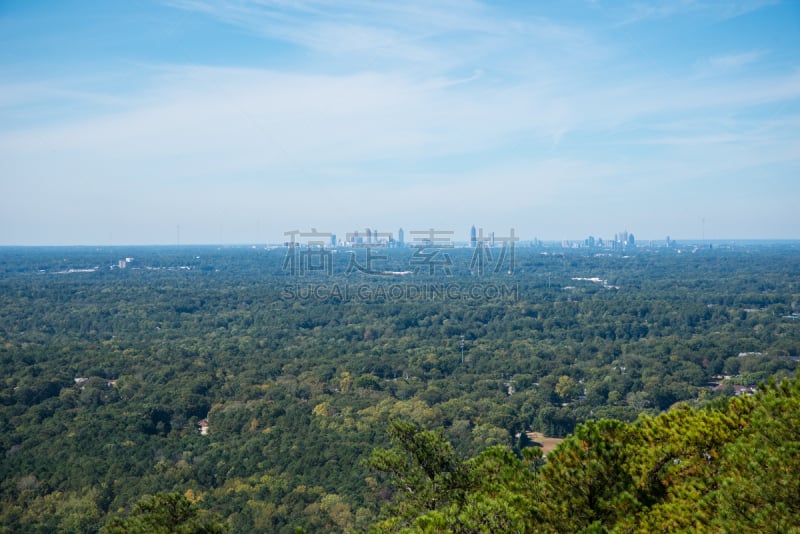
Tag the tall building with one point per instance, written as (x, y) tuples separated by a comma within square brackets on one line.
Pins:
[(473, 237), (400, 238)]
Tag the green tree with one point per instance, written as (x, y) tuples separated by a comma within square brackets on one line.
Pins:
[(166, 513), (584, 481), (422, 468), (760, 482)]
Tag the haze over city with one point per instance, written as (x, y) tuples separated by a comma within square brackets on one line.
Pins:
[(192, 121)]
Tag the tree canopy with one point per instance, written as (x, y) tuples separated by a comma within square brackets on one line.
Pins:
[(214, 373), (730, 467)]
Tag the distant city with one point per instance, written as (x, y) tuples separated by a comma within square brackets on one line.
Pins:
[(444, 239)]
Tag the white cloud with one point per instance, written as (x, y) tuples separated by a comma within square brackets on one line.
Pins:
[(233, 120), (715, 9), (378, 30), (449, 110), (252, 125), (733, 62)]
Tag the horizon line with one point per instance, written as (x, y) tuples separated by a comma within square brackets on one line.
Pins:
[(640, 243)]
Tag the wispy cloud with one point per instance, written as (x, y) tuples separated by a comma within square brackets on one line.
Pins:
[(715, 9), (733, 62), (205, 120), (444, 107), (381, 29)]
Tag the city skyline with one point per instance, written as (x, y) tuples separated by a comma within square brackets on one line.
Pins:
[(232, 122), (475, 236)]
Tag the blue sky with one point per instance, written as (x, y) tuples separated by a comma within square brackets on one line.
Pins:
[(239, 120)]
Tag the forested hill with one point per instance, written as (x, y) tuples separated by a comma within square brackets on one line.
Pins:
[(223, 380), (731, 467)]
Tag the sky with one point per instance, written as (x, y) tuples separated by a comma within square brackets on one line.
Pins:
[(236, 121)]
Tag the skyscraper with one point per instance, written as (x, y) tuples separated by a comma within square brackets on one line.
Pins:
[(400, 238), (473, 237)]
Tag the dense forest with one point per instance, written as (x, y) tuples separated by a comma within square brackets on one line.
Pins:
[(252, 395)]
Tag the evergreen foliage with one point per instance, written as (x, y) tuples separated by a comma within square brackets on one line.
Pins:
[(165, 513), (733, 468)]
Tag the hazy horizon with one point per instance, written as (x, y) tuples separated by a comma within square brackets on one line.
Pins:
[(240, 120), (548, 243)]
